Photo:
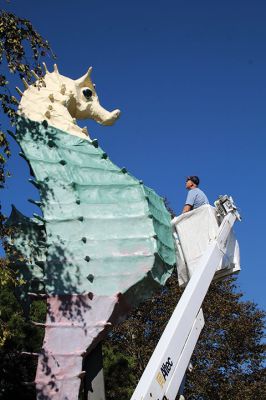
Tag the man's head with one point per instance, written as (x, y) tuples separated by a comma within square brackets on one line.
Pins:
[(192, 182)]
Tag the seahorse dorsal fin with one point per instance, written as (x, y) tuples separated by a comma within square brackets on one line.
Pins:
[(56, 69), (45, 68), (35, 75), (25, 83), (19, 91)]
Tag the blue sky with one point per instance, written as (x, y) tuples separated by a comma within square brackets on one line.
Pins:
[(190, 80)]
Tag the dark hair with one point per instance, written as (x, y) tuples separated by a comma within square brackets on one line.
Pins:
[(194, 179)]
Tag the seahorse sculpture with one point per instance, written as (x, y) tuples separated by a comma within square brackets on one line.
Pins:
[(104, 240)]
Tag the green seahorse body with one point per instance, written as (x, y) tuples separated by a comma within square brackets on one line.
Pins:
[(105, 231)]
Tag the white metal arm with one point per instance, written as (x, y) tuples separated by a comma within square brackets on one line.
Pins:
[(166, 368)]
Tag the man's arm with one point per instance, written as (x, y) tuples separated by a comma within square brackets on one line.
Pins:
[(187, 208), (189, 201)]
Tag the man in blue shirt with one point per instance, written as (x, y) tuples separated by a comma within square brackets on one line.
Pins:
[(196, 197)]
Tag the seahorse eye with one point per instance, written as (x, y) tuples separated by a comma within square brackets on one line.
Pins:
[(87, 93)]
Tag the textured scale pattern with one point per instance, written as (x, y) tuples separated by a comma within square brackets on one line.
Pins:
[(106, 232)]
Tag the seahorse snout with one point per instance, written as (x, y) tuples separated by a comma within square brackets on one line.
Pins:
[(113, 116)]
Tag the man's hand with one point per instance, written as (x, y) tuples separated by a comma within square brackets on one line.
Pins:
[(187, 208)]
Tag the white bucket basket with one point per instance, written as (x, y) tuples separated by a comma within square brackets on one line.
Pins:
[(193, 232)]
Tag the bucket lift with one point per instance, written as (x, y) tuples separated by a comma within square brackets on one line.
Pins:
[(206, 250), (164, 373)]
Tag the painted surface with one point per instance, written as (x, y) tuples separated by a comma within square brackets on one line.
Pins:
[(105, 231), (71, 323), (61, 101)]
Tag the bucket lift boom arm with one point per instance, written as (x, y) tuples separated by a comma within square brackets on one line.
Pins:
[(164, 372)]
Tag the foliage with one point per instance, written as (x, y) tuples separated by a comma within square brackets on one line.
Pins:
[(228, 360), (21, 50), (118, 369), (16, 368)]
